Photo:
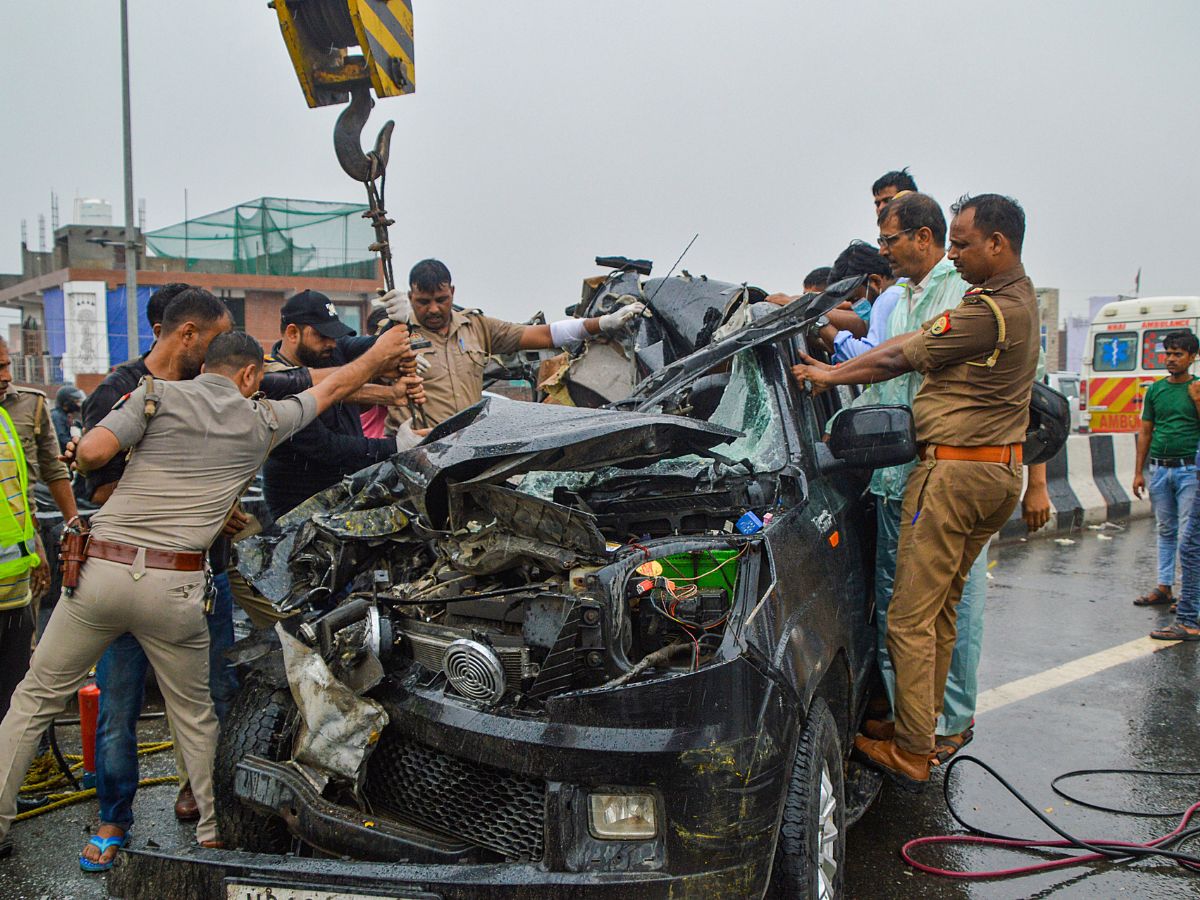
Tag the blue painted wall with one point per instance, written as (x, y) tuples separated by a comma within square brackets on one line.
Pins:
[(118, 343), (56, 335)]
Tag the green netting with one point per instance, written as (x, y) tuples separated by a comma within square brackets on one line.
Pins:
[(272, 236)]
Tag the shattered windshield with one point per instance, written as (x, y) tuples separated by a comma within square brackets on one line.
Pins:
[(746, 405)]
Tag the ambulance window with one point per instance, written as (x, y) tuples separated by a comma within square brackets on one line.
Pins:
[(1115, 352), (1153, 355)]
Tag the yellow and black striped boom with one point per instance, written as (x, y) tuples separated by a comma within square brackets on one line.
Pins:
[(321, 33)]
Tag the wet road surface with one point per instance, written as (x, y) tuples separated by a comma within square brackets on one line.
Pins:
[(1048, 604)]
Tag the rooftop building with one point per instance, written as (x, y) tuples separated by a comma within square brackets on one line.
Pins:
[(254, 256)]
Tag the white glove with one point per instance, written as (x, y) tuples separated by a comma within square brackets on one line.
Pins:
[(616, 322), (423, 364), (395, 301), (406, 438)]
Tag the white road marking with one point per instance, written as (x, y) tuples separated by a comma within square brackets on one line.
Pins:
[(1032, 685)]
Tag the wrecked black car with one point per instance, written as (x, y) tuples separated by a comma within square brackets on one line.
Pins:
[(566, 651)]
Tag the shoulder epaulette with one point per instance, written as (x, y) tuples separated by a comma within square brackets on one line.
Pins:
[(978, 292), (152, 396), (28, 390)]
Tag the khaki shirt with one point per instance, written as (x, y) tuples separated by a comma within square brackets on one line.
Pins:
[(456, 359), (191, 460), (965, 405), (41, 451)]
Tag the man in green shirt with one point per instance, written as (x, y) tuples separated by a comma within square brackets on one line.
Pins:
[(1168, 439)]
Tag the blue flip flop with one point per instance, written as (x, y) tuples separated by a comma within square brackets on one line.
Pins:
[(102, 844)]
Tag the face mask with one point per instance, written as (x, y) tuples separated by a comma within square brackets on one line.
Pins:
[(862, 309)]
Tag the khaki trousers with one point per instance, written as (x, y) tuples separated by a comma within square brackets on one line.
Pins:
[(262, 614), (951, 508), (164, 610)]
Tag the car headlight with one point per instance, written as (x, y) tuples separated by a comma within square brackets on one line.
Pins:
[(623, 817)]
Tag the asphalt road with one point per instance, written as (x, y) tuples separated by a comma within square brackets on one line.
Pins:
[(1050, 604), (1057, 697)]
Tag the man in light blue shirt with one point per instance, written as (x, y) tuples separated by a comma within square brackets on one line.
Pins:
[(874, 302)]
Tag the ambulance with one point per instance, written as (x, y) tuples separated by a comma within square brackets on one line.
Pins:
[(1124, 356)]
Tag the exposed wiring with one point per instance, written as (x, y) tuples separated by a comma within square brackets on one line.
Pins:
[(1112, 851), (715, 568)]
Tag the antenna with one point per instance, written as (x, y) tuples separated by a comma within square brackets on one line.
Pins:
[(24, 234), (672, 271), (41, 232), (53, 212)]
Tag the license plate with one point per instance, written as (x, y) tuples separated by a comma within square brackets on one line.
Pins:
[(243, 891)]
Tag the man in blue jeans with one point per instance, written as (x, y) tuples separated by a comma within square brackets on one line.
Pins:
[(1168, 441), (1186, 626)]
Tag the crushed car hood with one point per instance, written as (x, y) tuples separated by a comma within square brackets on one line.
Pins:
[(498, 438), (318, 545)]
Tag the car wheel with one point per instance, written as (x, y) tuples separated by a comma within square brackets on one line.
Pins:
[(810, 854), (262, 721)]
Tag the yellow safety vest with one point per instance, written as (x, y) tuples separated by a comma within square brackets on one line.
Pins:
[(18, 551)]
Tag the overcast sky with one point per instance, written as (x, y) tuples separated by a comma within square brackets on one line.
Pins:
[(545, 132)]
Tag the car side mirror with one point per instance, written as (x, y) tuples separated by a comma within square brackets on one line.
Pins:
[(872, 437)]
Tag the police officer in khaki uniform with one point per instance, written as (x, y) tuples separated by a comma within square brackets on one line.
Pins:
[(144, 571), (452, 368), (979, 362)]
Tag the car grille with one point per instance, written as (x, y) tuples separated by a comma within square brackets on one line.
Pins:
[(490, 807)]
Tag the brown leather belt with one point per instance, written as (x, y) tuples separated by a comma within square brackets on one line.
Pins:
[(179, 561), (995, 453)]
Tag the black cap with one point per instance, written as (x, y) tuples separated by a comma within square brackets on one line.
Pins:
[(315, 309)]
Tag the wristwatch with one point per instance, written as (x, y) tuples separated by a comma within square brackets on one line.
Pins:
[(821, 322)]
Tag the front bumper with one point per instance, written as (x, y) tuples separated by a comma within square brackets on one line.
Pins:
[(199, 874), (713, 747)]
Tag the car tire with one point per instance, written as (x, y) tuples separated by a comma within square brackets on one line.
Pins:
[(262, 721), (810, 854)]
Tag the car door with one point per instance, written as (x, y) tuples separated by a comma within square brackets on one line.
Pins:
[(821, 549)]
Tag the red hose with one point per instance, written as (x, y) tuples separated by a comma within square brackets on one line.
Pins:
[(906, 855)]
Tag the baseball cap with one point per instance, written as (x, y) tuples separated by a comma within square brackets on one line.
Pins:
[(315, 309)]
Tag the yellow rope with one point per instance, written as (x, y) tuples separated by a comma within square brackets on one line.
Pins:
[(45, 773), (72, 797)]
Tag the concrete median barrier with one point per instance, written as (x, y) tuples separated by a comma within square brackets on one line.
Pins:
[(1089, 483)]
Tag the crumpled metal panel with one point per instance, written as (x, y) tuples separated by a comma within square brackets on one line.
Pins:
[(498, 438), (338, 729), (520, 513), (688, 309), (768, 324)]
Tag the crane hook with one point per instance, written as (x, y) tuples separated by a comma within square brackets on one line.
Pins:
[(347, 138)]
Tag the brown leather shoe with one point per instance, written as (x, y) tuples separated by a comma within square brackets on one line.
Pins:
[(186, 809), (213, 844), (909, 770), (879, 730)]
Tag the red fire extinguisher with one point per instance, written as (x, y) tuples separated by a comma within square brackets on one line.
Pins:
[(89, 709)]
